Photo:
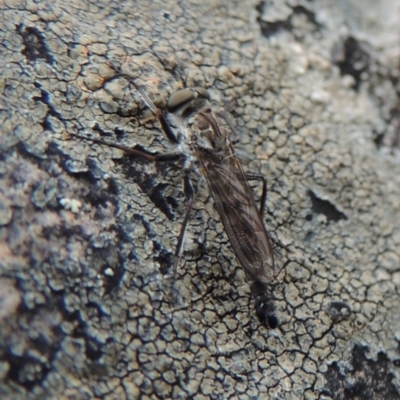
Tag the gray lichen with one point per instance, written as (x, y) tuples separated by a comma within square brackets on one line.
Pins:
[(87, 234)]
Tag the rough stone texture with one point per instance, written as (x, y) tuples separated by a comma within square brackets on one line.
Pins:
[(87, 234)]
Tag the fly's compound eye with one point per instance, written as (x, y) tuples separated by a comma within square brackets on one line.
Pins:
[(202, 92), (185, 96), (179, 99)]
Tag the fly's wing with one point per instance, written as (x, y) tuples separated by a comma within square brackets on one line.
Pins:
[(240, 217)]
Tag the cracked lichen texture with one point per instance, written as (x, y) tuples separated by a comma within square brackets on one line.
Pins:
[(87, 233)]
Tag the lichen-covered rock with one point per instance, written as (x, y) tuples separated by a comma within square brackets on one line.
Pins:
[(89, 307)]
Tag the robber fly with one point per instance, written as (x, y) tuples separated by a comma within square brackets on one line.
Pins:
[(203, 142)]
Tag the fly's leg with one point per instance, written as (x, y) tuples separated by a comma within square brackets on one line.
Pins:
[(263, 304), (187, 186), (189, 194), (167, 157), (159, 114), (255, 177)]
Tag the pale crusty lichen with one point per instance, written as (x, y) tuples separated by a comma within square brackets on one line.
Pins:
[(88, 310)]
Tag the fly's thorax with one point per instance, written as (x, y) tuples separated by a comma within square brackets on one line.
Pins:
[(208, 134), (203, 134)]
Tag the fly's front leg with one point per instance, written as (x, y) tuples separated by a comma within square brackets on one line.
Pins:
[(159, 114), (255, 177), (167, 157)]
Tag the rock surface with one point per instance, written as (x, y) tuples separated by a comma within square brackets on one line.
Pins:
[(87, 234)]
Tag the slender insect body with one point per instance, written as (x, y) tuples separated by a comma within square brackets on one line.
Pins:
[(203, 144), (209, 141)]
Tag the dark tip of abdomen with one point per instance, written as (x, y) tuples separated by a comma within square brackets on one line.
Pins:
[(265, 311)]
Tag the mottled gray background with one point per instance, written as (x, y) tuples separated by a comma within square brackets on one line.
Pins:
[(87, 234)]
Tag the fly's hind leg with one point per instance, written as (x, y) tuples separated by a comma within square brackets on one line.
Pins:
[(255, 177)]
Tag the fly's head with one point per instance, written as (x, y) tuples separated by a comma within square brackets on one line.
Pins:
[(201, 129)]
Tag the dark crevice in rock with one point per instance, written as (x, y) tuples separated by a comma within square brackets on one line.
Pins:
[(370, 379), (325, 207), (351, 59), (35, 44)]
